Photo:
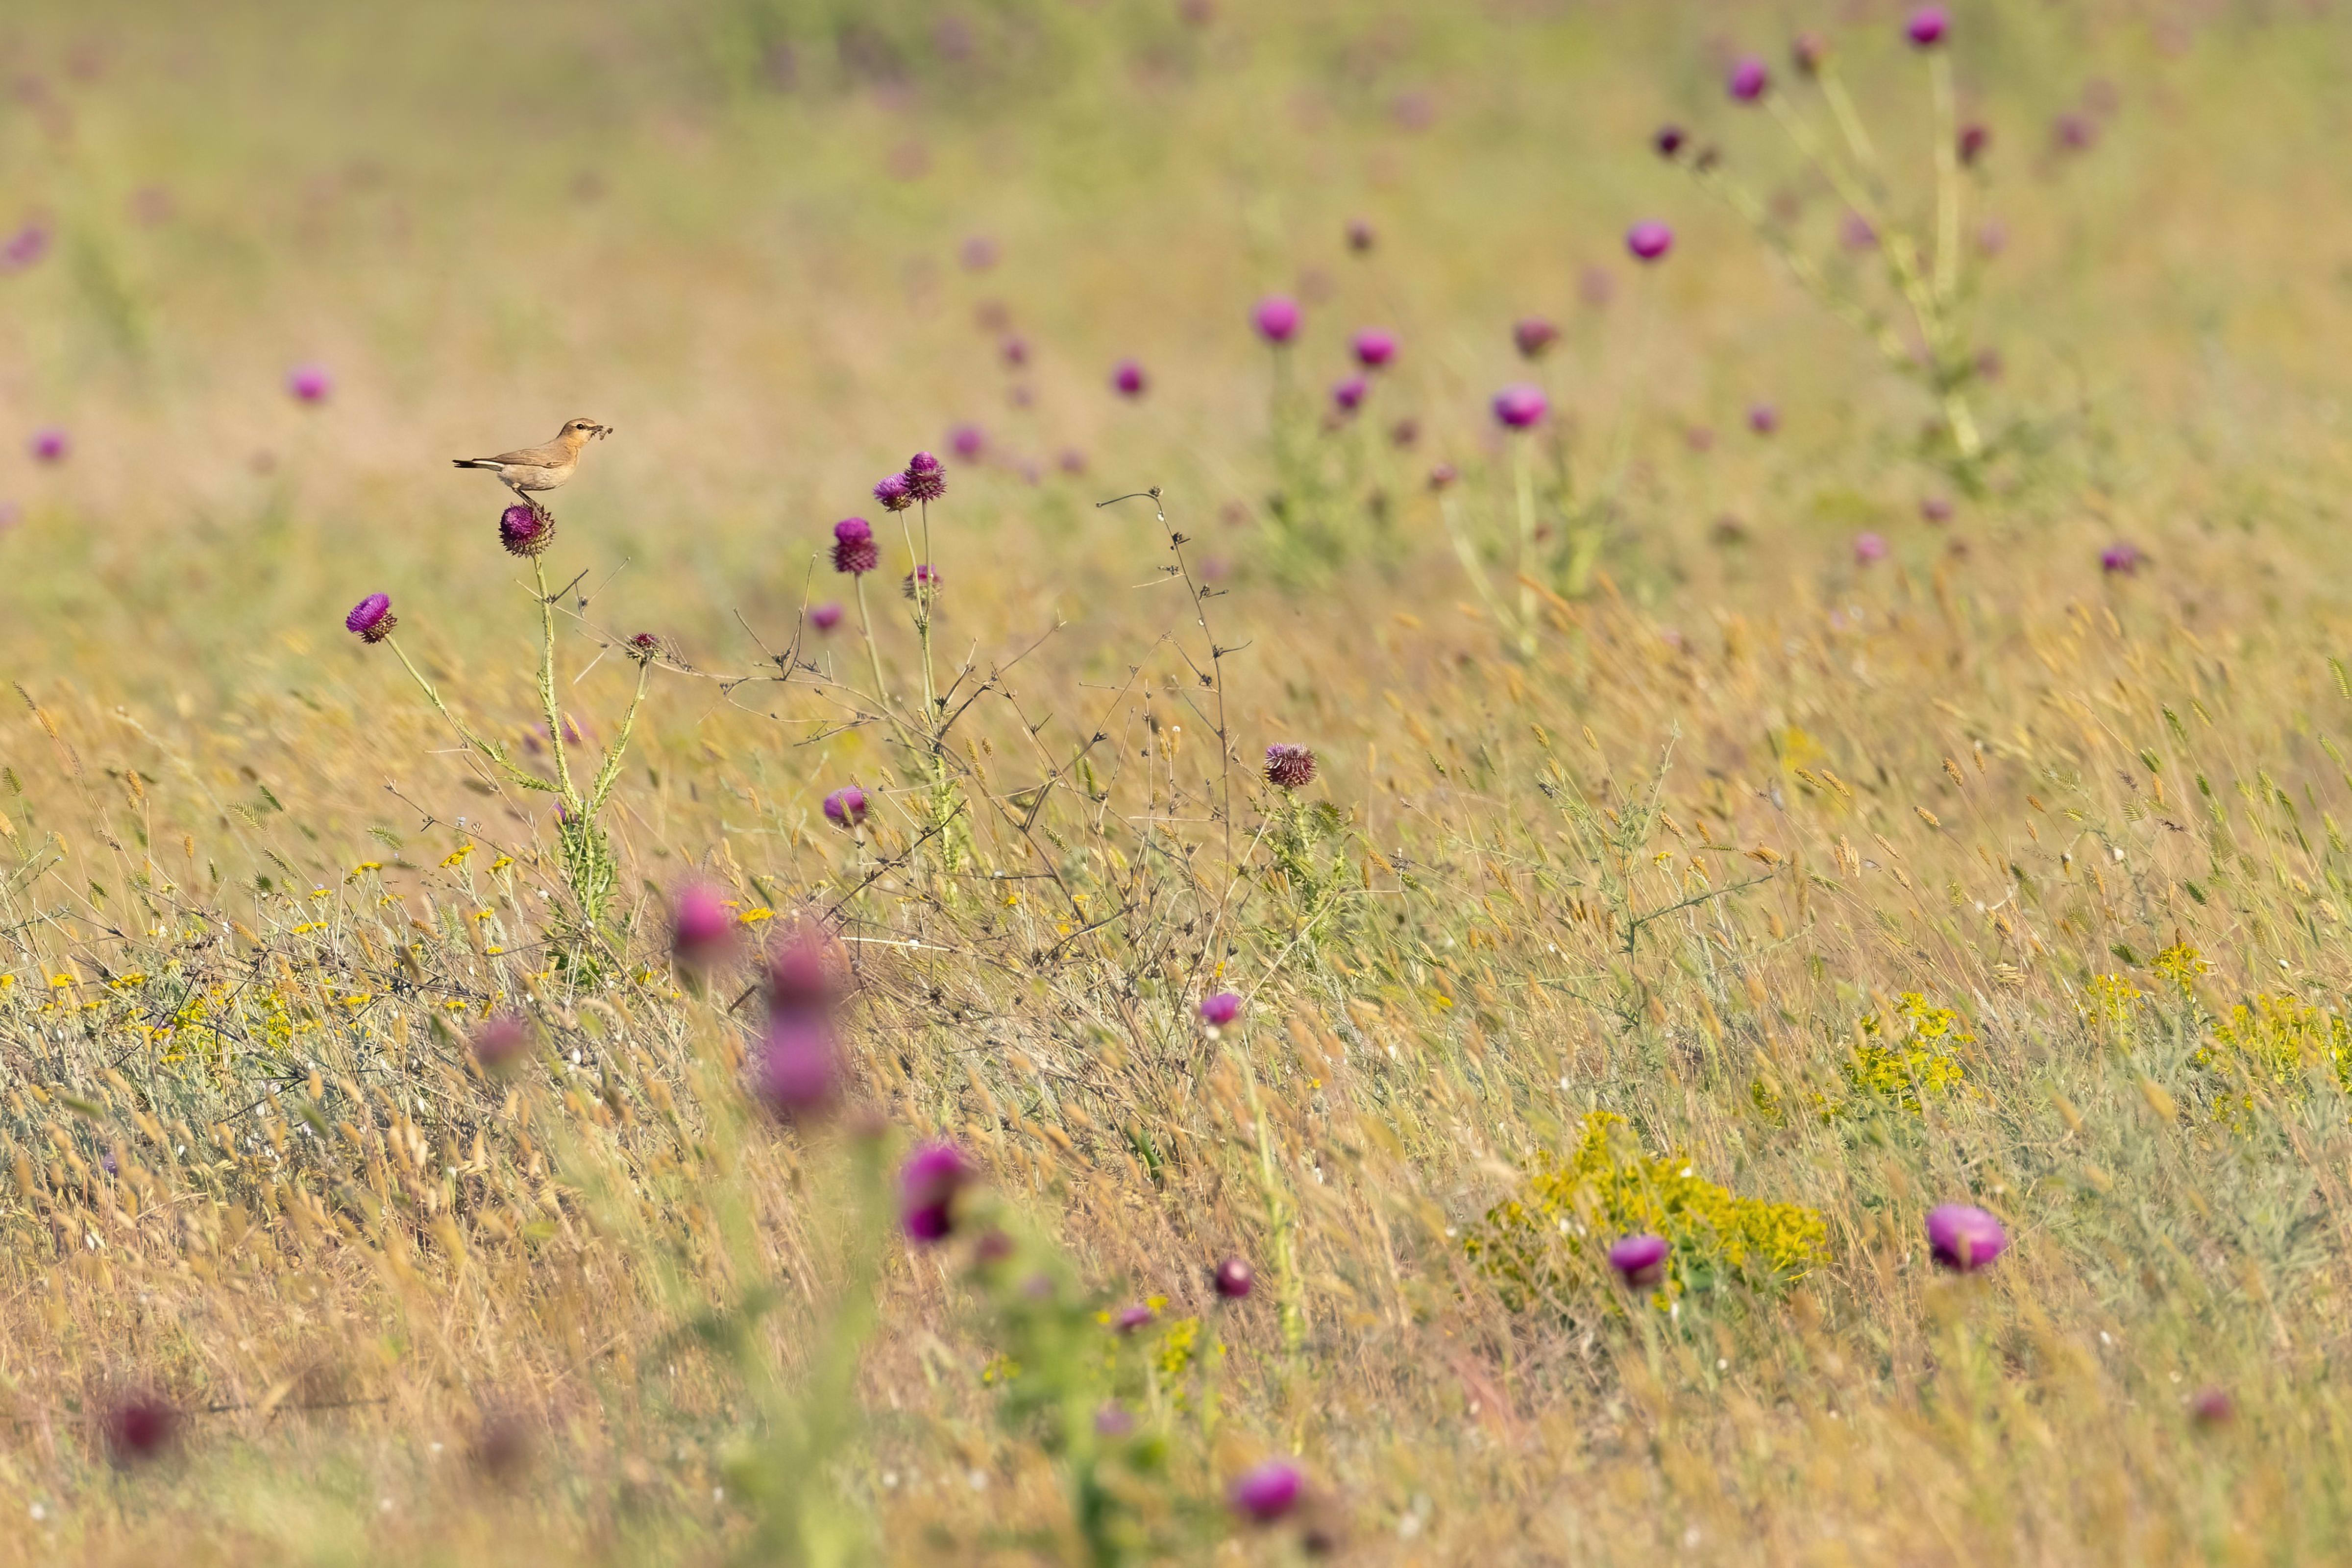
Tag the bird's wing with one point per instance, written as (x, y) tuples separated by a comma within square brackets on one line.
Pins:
[(534, 457)]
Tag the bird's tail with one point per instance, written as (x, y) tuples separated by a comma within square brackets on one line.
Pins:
[(475, 463)]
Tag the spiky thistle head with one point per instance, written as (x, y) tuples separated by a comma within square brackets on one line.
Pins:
[(854, 549), (1289, 767), (525, 530), (371, 620), (927, 477)]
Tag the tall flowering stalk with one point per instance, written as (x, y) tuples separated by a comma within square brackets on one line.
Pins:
[(590, 869)]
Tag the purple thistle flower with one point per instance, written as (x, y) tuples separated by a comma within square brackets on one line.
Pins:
[(846, 807), (1522, 406), (827, 616), (25, 247), (1649, 240), (2121, 558), (309, 383), (1233, 1280), (1220, 1009), (1533, 336), (1347, 396), (1127, 380), (49, 444), (1868, 548), (967, 442), (1132, 1318), (1289, 767), (1361, 236), (2212, 1406), (525, 530), (1375, 348), (701, 931), (927, 477), (929, 1185), (798, 1068), (1276, 318), (1668, 141), (894, 492), (1015, 350), (1748, 80), (1975, 137), (923, 581), (1963, 1238), (371, 620), (1640, 1261), (1763, 418), (1927, 26), (1266, 1493), (1806, 52), (501, 1042), (798, 980), (854, 549), (140, 1428)]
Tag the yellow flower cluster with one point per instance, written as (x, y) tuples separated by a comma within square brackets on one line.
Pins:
[(1548, 1242)]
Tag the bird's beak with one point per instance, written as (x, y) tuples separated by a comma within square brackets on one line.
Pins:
[(603, 430)]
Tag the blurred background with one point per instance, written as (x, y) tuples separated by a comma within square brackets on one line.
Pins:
[(780, 246)]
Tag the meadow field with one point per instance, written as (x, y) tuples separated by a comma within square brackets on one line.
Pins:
[(1298, 781)]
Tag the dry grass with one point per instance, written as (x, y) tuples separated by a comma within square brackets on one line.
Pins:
[(1858, 889)]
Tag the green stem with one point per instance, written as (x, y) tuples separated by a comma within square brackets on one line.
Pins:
[(1947, 179), (547, 686), (497, 754), (608, 775), (1524, 486), (1289, 1288)]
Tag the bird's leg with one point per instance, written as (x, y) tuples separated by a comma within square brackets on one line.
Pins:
[(541, 513)]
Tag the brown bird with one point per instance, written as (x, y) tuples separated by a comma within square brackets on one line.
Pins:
[(541, 468)]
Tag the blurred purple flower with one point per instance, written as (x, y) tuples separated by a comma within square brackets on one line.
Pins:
[(1276, 318), (309, 384), (2212, 1406), (2121, 558), (1927, 26), (1855, 232), (1640, 1261), (827, 616), (1533, 336), (1975, 137), (1348, 395), (1441, 475), (2073, 132), (701, 930), (49, 445), (966, 442), (1649, 239), (1935, 509), (140, 1428), (1963, 1238), (798, 1071), (1015, 350), (1668, 141), (1131, 1319), (1220, 1009), (1375, 348), (501, 1041), (1763, 418), (1127, 380), (1748, 79), (1361, 237), (1522, 406), (1233, 1280), (1266, 1493), (979, 254), (1071, 461), (1112, 1421), (929, 1185), (1868, 548), (846, 807), (1806, 52)]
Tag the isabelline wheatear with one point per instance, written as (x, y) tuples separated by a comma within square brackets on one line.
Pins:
[(536, 468)]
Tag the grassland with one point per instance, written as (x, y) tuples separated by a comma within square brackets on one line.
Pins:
[(1696, 875)]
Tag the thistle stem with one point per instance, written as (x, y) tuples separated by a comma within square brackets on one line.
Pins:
[(546, 687)]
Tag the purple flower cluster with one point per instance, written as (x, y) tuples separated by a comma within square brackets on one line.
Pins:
[(1963, 1238), (525, 530), (797, 1071), (854, 549), (929, 1184), (703, 930)]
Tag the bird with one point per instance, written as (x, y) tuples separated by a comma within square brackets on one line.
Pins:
[(544, 468)]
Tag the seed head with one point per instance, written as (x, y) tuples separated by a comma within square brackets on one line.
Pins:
[(1289, 767), (701, 931), (1640, 1261), (140, 1428), (525, 530), (645, 647), (1276, 318), (1127, 380), (846, 807), (929, 1184), (927, 477), (1927, 26), (1220, 1009), (1267, 1492), (1347, 396), (924, 581), (1375, 348), (309, 384), (1763, 418), (50, 444), (854, 549), (1233, 1278), (1868, 548), (1963, 1238), (371, 620), (1668, 141), (2121, 558), (1534, 337), (1748, 80), (894, 494), (827, 616), (1649, 240), (1522, 406), (501, 1041)]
